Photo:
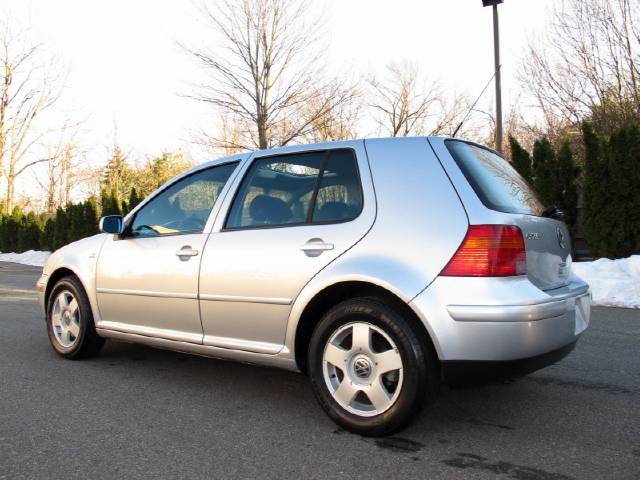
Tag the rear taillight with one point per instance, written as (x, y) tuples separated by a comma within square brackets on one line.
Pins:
[(489, 251)]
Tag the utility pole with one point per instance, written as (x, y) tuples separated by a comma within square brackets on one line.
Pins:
[(496, 54)]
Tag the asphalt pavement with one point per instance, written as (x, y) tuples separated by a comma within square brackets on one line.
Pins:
[(136, 412)]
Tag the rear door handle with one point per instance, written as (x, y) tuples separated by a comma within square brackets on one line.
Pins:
[(187, 251), (317, 246)]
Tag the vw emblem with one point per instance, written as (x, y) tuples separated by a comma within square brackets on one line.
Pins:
[(561, 240), (362, 368)]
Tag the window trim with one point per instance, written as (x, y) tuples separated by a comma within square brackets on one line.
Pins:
[(126, 234), (309, 218)]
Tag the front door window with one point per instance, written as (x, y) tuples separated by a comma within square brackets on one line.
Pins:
[(183, 207)]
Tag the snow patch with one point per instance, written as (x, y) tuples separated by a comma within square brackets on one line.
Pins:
[(31, 257), (614, 283)]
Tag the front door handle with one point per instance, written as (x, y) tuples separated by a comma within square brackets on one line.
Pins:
[(315, 247), (186, 252)]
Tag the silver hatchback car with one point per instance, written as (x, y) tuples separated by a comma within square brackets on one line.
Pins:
[(377, 267)]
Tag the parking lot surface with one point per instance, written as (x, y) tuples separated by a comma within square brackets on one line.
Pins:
[(136, 412)]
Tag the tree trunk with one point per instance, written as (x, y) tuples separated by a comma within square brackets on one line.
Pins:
[(263, 141), (10, 190)]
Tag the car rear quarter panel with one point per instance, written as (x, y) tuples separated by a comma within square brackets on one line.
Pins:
[(420, 222), (544, 258)]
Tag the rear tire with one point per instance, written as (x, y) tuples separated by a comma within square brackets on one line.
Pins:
[(369, 369), (70, 324)]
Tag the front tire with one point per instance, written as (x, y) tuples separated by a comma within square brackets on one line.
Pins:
[(369, 369), (70, 321)]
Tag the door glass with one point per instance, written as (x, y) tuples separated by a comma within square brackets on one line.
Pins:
[(276, 191), (340, 195), (284, 190), (184, 207)]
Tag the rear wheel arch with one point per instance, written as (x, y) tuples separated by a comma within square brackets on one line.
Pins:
[(334, 294)]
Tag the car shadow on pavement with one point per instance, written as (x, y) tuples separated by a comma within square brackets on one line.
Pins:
[(488, 406), (456, 427)]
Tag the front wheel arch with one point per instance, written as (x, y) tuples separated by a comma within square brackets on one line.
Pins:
[(87, 342), (57, 274)]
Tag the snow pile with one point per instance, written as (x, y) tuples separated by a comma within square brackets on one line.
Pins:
[(614, 283), (30, 257)]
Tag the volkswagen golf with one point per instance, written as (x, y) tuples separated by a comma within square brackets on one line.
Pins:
[(378, 267)]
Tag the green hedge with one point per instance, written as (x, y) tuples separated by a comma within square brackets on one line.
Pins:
[(552, 173), (611, 185), (21, 231), (612, 191)]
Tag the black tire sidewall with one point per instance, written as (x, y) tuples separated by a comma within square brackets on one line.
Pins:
[(412, 352), (85, 316)]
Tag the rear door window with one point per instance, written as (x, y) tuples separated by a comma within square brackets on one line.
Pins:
[(339, 193), (494, 180), (298, 189)]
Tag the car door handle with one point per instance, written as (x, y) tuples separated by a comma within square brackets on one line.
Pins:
[(316, 245), (187, 251)]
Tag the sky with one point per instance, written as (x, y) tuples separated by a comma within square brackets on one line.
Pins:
[(126, 72)]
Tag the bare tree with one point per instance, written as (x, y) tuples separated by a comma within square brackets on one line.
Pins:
[(401, 103), (28, 87), (229, 136), (338, 123), (405, 104), (51, 186), (589, 59), (62, 168), (265, 76), (61, 177)]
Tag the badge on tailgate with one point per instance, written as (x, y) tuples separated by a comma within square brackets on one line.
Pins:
[(563, 270)]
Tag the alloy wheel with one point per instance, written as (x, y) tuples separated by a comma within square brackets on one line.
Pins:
[(362, 369), (65, 319)]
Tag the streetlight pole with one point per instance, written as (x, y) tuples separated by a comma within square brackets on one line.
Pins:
[(496, 55)]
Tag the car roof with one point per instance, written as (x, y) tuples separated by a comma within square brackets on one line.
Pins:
[(305, 147)]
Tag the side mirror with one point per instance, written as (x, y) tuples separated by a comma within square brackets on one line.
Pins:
[(112, 224)]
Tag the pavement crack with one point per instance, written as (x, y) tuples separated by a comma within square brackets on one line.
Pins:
[(398, 444), (582, 384), (465, 461)]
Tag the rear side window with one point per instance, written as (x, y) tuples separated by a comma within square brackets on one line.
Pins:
[(494, 180), (296, 189), (339, 193)]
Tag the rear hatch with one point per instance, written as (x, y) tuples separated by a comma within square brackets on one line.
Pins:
[(500, 188)]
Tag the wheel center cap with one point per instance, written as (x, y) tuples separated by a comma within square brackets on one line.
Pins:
[(362, 367)]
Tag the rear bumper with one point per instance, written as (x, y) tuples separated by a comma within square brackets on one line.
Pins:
[(461, 371), (501, 319)]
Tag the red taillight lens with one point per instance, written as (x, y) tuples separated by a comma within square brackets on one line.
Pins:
[(489, 251)]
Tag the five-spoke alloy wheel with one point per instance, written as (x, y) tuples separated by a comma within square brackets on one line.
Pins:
[(370, 368), (65, 319), (365, 376), (70, 320)]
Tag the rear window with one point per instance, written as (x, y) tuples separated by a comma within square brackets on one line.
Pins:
[(494, 180)]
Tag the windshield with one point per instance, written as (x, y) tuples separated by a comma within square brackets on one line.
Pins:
[(494, 180)]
